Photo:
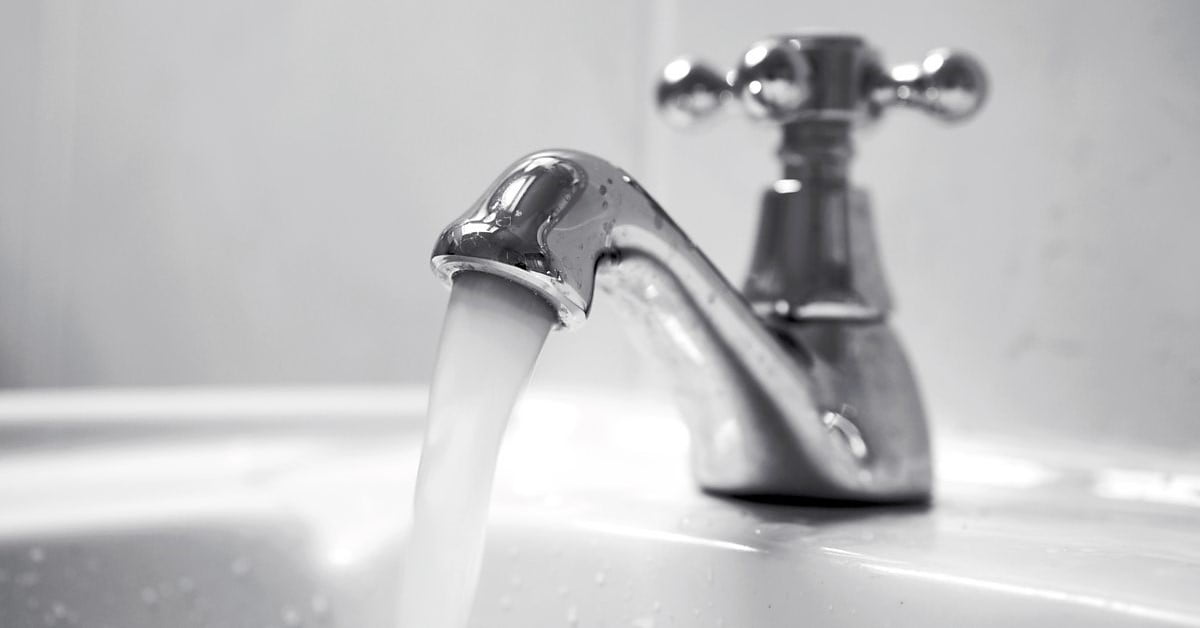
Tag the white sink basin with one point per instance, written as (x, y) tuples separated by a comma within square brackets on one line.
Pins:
[(287, 508)]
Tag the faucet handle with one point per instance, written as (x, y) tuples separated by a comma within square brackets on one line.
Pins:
[(772, 81), (690, 90), (948, 85), (814, 77)]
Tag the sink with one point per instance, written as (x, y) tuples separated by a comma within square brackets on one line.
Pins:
[(288, 508)]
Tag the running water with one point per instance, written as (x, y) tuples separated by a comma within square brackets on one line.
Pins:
[(492, 335)]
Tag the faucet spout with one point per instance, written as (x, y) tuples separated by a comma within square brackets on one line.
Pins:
[(823, 409)]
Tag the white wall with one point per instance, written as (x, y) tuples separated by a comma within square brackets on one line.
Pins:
[(228, 191), (232, 192)]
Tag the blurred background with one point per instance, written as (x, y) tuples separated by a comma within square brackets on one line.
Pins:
[(246, 193)]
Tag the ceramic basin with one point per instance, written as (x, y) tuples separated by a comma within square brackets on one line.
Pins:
[(288, 508)]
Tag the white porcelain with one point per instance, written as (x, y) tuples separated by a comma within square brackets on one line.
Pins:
[(286, 508)]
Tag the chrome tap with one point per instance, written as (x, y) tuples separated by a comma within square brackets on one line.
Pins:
[(797, 387)]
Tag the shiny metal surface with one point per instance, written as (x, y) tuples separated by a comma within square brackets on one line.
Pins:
[(806, 77), (815, 256), (690, 91), (949, 85), (799, 388), (757, 395), (773, 80)]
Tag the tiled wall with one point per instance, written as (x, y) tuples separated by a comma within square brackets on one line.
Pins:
[(232, 192)]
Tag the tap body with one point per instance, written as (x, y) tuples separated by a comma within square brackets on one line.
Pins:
[(798, 389), (797, 386)]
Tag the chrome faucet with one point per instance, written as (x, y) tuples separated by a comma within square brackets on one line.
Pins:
[(796, 387)]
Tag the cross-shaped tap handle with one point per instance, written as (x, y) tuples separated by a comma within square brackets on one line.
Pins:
[(791, 78)]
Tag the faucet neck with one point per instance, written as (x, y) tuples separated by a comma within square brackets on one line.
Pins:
[(817, 151), (815, 258)]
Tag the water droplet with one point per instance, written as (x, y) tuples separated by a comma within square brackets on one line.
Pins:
[(37, 554), (603, 190), (600, 578), (290, 616), (572, 615)]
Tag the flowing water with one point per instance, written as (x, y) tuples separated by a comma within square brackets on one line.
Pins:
[(492, 335)]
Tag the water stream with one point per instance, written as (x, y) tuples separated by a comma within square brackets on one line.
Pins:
[(491, 338)]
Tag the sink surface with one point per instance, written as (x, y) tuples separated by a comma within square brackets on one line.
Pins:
[(288, 508)]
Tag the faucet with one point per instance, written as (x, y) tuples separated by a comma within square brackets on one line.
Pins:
[(796, 387)]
